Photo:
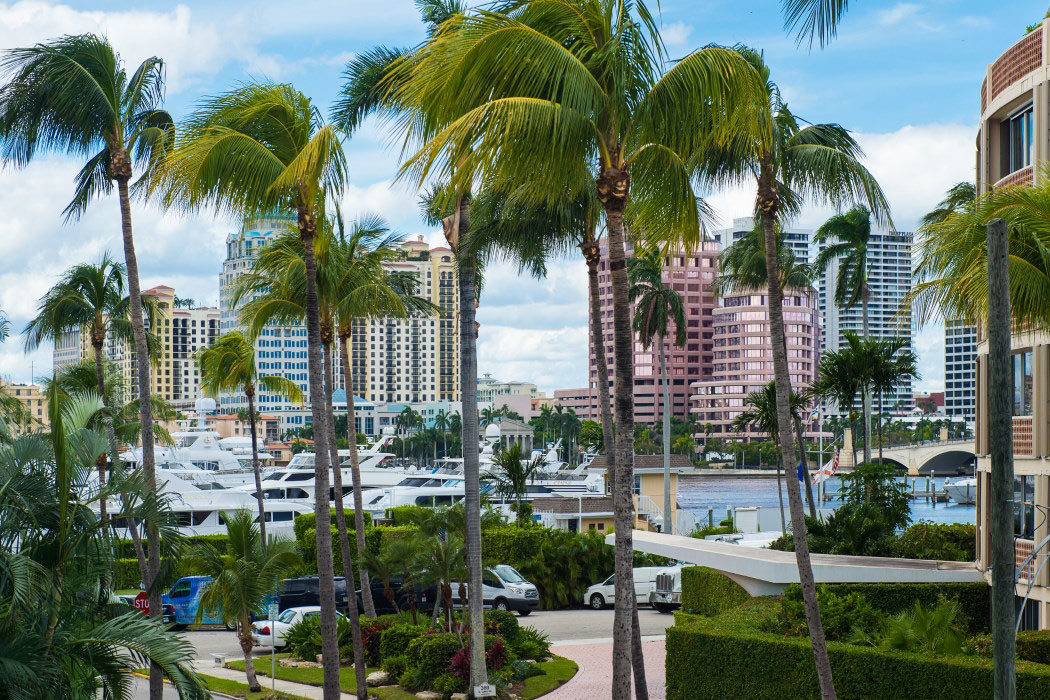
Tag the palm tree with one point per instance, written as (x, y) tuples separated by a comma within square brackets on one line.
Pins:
[(228, 366), (89, 298), (442, 422), (5, 326), (960, 198), (892, 362), (242, 576), (513, 474), (792, 162), (558, 94), (440, 562), (656, 306), (257, 149), (814, 20), (847, 237), (839, 379), (385, 568), (488, 416), (73, 94)]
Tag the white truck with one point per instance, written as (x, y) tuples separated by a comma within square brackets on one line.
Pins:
[(666, 595), (603, 594)]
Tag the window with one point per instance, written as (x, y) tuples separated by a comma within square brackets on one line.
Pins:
[(1015, 136), (1029, 614), (180, 589), (1022, 384), (1024, 507)]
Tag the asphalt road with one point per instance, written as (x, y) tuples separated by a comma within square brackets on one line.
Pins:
[(573, 626)]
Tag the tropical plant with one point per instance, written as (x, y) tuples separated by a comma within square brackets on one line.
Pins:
[(893, 362), (440, 562), (61, 637), (937, 631), (228, 365), (255, 150), (5, 326), (814, 20), (73, 94), (960, 198), (242, 575), (512, 474), (839, 379), (511, 123), (656, 306)]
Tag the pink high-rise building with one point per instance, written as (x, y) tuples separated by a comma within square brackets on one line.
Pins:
[(743, 358), (692, 275)]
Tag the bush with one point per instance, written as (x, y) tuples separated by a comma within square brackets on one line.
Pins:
[(840, 615), (448, 683), (1034, 645), (405, 515), (371, 636), (303, 639), (891, 598), (718, 657), (923, 540), (395, 639), (436, 654), (532, 644), (395, 665), (933, 631), (496, 653), (709, 592), (308, 521), (505, 622), (520, 670)]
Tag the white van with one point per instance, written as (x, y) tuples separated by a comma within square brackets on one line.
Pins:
[(602, 594), (503, 588)]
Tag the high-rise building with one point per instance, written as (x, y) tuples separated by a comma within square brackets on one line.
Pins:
[(798, 240), (889, 282), (68, 350), (692, 275), (960, 369), (743, 357), (415, 359)]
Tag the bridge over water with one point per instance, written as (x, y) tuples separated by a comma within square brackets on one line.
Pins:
[(924, 458)]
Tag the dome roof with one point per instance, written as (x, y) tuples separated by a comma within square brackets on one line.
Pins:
[(492, 430)]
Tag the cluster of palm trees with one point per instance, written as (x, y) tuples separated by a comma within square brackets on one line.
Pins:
[(558, 423)]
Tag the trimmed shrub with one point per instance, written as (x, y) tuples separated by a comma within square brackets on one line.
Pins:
[(729, 649), (839, 614), (505, 623), (448, 683), (1034, 645), (709, 592), (307, 521), (923, 540), (395, 665), (371, 636), (395, 639), (974, 598), (435, 654), (404, 515), (374, 538)]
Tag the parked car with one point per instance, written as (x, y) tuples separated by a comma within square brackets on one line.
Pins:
[(266, 633), (184, 599), (503, 588), (667, 590), (425, 596), (603, 594), (306, 591)]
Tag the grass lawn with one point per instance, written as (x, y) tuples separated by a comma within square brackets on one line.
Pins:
[(127, 591), (557, 671), (315, 676), (240, 690)]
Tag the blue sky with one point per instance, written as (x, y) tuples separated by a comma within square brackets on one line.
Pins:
[(903, 75)]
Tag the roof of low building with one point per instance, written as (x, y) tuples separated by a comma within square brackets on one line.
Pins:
[(571, 504), (648, 462)]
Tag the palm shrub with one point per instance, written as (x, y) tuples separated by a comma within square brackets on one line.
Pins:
[(242, 576), (844, 617), (936, 631)]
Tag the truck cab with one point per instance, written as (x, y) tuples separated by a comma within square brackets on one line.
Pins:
[(666, 595)]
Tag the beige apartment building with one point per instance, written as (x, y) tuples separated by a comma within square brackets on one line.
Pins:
[(34, 401), (1012, 148)]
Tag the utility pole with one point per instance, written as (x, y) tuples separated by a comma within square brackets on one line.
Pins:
[(1000, 447)]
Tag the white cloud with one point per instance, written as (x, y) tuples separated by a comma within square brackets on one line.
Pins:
[(898, 13), (676, 34)]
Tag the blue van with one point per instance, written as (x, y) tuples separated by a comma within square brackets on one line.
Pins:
[(185, 598)]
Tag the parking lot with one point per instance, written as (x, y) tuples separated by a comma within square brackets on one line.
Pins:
[(559, 625)]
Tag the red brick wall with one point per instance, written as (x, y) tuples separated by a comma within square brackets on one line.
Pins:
[(1020, 60)]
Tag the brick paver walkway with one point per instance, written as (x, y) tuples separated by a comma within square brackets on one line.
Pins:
[(594, 679)]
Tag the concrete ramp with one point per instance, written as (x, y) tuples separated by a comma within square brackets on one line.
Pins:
[(768, 572)]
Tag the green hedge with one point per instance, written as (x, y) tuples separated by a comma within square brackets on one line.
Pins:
[(739, 661), (1034, 645), (404, 515), (709, 592), (307, 521), (891, 598), (374, 538), (126, 572), (126, 549)]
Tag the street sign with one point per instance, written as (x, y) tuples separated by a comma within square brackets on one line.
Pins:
[(485, 690), (142, 602), (273, 611)]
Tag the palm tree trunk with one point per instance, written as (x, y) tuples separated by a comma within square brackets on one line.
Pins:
[(325, 573), (866, 398), (768, 202), (668, 523), (120, 163), (100, 384), (805, 468), (244, 636), (612, 192), (250, 392), (355, 477), (780, 489), (340, 523), (1000, 438), (456, 230)]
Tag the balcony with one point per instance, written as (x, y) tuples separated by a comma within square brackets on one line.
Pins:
[(1023, 550), (1022, 433)]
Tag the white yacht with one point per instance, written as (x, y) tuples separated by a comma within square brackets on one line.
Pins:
[(963, 491), (201, 511)]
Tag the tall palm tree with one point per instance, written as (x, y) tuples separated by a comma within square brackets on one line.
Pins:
[(656, 306), (513, 473), (562, 93), (960, 198), (441, 562), (242, 574), (89, 298), (792, 162), (257, 149), (846, 238), (839, 379), (442, 422), (892, 362), (73, 94), (228, 366)]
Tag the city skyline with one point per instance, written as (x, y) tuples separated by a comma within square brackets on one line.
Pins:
[(531, 330)]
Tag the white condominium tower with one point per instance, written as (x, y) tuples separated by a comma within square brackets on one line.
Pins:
[(960, 370), (889, 282), (799, 240)]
